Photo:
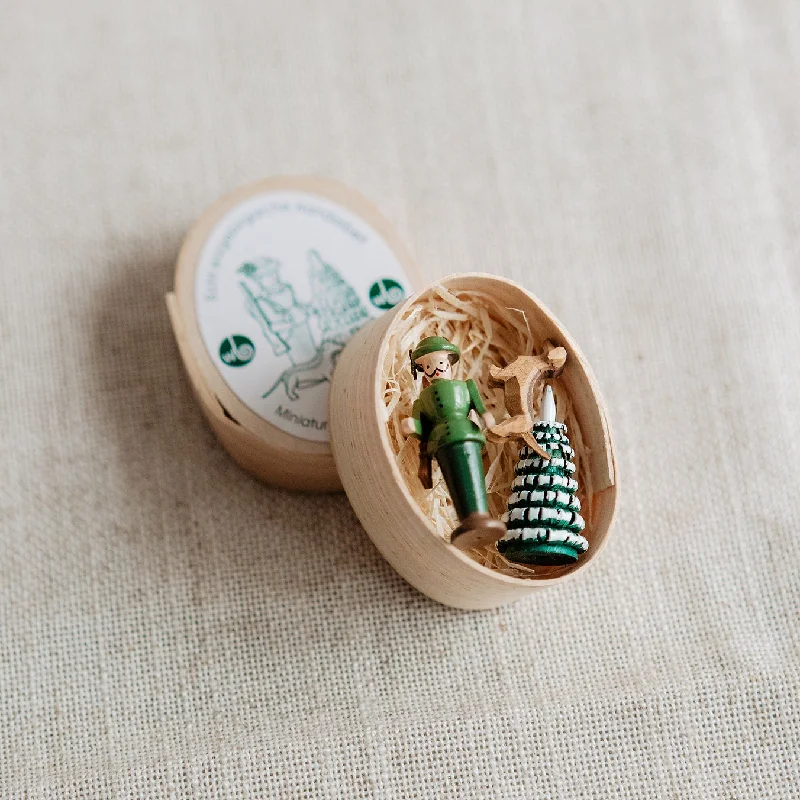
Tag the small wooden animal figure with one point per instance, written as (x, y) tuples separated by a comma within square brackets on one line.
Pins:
[(543, 519), (441, 421), (519, 381)]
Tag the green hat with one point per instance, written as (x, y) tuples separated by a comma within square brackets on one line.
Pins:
[(434, 344)]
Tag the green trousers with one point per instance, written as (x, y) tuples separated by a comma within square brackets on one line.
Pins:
[(462, 466)]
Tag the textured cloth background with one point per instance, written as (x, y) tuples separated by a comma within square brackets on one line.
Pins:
[(170, 627)]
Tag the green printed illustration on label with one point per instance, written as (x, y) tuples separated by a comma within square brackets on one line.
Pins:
[(295, 276)]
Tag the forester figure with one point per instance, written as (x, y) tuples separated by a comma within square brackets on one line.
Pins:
[(440, 418)]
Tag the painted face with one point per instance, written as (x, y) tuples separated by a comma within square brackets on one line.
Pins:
[(436, 365)]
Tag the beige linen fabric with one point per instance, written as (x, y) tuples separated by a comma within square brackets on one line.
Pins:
[(170, 627)]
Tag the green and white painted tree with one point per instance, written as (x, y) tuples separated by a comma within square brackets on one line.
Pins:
[(543, 518)]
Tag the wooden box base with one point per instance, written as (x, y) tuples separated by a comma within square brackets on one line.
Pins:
[(378, 492)]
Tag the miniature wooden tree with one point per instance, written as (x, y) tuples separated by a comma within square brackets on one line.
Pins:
[(543, 519)]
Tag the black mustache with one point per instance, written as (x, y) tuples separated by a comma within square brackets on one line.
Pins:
[(435, 372)]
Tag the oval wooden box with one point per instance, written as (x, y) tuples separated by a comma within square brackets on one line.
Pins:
[(377, 490), (261, 448)]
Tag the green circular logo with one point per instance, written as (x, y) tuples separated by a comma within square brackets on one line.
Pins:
[(236, 350), (386, 293)]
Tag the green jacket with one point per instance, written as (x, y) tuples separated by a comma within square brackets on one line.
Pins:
[(440, 413)]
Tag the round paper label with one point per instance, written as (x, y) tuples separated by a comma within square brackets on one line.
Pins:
[(284, 280)]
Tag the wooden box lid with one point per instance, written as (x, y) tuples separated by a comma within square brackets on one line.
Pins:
[(270, 284)]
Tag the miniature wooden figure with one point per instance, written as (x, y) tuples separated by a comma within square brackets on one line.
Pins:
[(543, 519), (441, 421), (519, 381)]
